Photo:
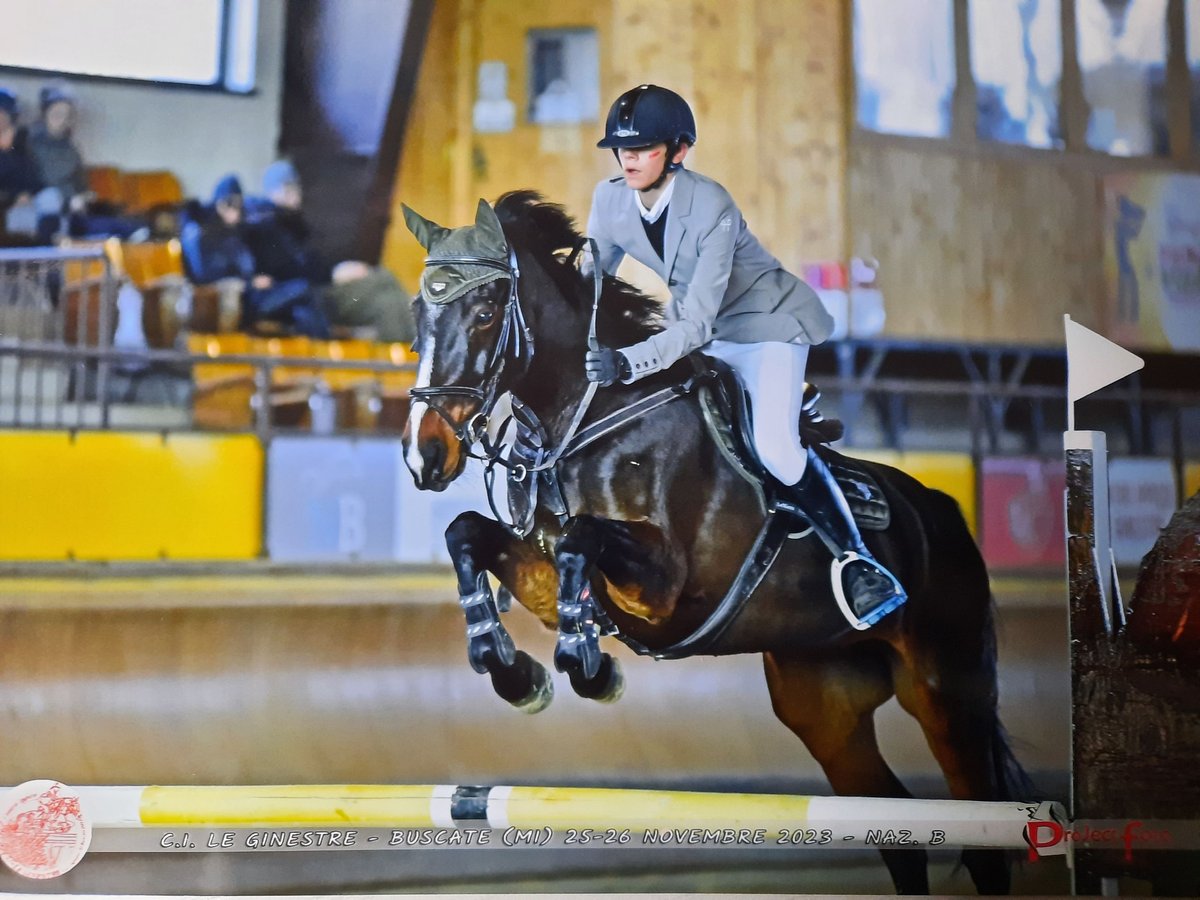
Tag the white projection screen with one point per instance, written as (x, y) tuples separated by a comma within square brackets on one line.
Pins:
[(196, 42)]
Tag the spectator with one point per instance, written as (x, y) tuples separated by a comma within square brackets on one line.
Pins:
[(61, 169), (356, 295), (215, 248), (19, 180), (53, 148)]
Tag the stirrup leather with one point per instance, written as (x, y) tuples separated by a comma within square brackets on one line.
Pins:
[(839, 592)]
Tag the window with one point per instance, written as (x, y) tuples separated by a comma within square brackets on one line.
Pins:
[(1123, 60), (564, 76), (904, 61), (1123, 84), (1016, 59), (198, 42), (1193, 55)]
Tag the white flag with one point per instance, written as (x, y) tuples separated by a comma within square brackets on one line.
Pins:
[(1094, 361)]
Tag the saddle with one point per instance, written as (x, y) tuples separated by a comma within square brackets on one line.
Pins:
[(726, 407)]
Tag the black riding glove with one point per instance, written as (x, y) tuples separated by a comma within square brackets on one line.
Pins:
[(605, 365)]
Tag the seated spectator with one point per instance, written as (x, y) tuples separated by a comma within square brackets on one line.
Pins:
[(61, 168), (356, 295), (19, 181), (215, 248), (53, 148)]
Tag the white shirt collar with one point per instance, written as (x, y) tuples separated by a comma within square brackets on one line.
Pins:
[(652, 215)]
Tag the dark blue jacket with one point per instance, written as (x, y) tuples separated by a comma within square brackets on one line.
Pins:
[(281, 241), (18, 172), (212, 250)]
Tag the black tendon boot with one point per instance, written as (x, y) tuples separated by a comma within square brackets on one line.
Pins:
[(865, 590)]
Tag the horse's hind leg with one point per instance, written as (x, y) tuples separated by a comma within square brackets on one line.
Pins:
[(950, 689), (477, 544), (829, 702)]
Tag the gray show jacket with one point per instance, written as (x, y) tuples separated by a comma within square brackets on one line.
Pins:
[(723, 282)]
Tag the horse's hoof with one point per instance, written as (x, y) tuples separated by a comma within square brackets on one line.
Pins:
[(541, 690), (525, 684), (607, 686)]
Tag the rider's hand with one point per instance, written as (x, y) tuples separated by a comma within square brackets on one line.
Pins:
[(604, 365)]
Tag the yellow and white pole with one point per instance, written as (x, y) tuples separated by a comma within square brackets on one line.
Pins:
[(196, 818)]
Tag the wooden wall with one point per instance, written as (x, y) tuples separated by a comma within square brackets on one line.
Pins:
[(975, 241), (766, 81), (977, 248)]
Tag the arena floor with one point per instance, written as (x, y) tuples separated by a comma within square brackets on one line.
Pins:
[(301, 678)]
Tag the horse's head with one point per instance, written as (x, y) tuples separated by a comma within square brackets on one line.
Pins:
[(474, 339), (469, 329)]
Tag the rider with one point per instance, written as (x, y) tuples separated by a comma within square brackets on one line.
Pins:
[(733, 300)]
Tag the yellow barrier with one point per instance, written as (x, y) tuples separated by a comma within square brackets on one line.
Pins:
[(122, 496), (952, 473), (1191, 479)]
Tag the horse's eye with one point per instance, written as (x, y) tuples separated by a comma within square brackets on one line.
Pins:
[(484, 316)]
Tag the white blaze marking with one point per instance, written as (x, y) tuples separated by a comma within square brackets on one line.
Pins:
[(417, 411)]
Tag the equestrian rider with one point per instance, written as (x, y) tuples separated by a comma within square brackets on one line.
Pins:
[(733, 300)]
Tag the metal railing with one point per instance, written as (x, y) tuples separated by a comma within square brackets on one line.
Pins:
[(59, 368), (65, 298)]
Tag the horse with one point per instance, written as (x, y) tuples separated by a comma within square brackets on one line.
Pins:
[(636, 525)]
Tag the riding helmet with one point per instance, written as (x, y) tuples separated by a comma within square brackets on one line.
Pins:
[(647, 115)]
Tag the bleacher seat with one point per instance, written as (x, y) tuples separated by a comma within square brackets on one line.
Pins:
[(81, 300), (221, 391), (146, 191), (147, 262), (107, 184), (394, 386)]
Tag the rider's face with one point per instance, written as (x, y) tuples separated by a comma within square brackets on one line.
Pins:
[(642, 166)]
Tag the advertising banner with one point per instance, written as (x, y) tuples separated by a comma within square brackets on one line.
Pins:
[(1142, 499), (1152, 260), (1022, 518), (332, 499)]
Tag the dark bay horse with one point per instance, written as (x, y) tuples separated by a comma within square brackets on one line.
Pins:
[(639, 530)]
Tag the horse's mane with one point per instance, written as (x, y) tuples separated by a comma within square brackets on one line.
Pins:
[(547, 230)]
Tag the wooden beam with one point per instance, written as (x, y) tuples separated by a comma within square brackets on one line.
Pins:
[(376, 213)]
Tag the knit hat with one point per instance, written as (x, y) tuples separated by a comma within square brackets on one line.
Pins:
[(55, 93), (227, 187), (278, 174), (8, 102)]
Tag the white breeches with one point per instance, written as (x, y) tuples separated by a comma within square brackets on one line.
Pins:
[(773, 373)]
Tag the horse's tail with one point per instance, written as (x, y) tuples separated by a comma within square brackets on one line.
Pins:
[(1010, 780)]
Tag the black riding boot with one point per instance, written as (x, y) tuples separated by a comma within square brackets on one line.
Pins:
[(865, 590)]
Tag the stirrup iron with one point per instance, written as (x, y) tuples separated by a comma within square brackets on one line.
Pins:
[(895, 601)]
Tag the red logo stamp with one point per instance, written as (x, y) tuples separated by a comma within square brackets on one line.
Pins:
[(43, 832)]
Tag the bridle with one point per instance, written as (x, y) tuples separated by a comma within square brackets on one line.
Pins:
[(516, 344)]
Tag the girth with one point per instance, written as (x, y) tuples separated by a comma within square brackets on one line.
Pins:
[(533, 475)]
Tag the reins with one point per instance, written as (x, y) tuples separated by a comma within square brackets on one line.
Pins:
[(516, 332)]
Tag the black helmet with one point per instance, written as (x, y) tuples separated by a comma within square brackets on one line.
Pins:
[(647, 115)]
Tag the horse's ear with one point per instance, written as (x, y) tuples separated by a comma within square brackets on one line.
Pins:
[(426, 232), (488, 223)]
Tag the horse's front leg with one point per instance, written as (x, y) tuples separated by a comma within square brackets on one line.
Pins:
[(594, 673), (478, 544)]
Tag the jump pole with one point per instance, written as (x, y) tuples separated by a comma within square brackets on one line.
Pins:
[(152, 818)]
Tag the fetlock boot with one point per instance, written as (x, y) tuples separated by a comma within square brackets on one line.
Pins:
[(865, 590)]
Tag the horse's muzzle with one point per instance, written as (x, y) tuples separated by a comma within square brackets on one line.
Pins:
[(439, 456)]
